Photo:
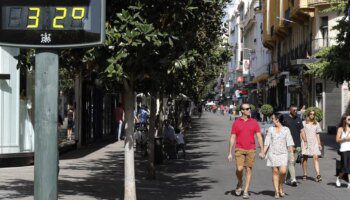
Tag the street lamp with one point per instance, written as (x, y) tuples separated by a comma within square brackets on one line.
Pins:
[(284, 19)]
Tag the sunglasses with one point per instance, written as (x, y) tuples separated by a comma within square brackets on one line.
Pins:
[(245, 108)]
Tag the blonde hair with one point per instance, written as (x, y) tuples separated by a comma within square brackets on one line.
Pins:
[(307, 120)]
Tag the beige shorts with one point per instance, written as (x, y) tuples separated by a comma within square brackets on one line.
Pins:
[(245, 158)]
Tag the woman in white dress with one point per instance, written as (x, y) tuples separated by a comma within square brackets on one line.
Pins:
[(313, 148), (277, 143)]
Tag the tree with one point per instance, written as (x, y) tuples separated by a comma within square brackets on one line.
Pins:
[(162, 47), (334, 61)]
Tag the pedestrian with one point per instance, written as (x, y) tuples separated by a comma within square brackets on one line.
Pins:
[(242, 135), (278, 142), (70, 116), (119, 120), (295, 125), (343, 137), (169, 140), (200, 111), (302, 112), (234, 111), (144, 115), (312, 132), (180, 142)]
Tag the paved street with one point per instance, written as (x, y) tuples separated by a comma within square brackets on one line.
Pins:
[(96, 172)]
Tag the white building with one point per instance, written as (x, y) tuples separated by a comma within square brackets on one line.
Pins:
[(245, 35), (16, 127), (332, 99)]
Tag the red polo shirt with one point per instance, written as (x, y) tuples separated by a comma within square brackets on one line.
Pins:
[(244, 131)]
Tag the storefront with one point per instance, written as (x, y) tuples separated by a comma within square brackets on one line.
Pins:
[(16, 110)]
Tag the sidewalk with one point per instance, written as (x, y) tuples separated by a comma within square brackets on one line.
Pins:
[(93, 172)]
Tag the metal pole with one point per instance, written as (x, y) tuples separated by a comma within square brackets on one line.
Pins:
[(46, 153)]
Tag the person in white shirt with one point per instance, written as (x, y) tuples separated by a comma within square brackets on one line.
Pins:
[(343, 137), (180, 142)]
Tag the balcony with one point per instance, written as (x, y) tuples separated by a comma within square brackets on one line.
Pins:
[(319, 43), (313, 3), (283, 29), (300, 9)]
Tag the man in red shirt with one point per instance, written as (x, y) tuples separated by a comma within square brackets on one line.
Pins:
[(243, 131)]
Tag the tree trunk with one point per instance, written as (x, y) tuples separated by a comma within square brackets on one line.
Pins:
[(129, 164), (150, 148)]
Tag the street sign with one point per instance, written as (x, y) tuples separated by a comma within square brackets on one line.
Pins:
[(52, 23)]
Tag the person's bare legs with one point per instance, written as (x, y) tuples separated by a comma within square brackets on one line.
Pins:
[(316, 165), (282, 173), (239, 175), (247, 179), (275, 180), (305, 157), (69, 134)]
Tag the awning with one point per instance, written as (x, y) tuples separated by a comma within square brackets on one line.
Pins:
[(303, 61)]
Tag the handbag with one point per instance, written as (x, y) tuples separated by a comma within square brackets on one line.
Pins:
[(299, 158)]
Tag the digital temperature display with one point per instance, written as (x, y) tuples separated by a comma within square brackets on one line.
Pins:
[(52, 23), (45, 18)]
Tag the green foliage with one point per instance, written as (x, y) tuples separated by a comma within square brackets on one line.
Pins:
[(336, 5), (238, 108), (266, 109), (318, 112), (252, 107), (334, 62)]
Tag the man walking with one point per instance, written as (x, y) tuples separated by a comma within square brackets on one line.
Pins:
[(243, 131), (295, 125)]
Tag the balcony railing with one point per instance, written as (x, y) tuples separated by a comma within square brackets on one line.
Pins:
[(317, 2), (319, 43)]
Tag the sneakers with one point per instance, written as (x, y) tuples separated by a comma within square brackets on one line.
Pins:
[(293, 183), (337, 182), (348, 185)]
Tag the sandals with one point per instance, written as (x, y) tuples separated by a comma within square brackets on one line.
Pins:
[(304, 178), (318, 178), (245, 195), (277, 196), (238, 191)]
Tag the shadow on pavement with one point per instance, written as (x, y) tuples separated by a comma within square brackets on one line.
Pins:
[(103, 178), (177, 179), (86, 150)]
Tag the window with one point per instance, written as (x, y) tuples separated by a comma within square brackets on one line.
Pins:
[(324, 31)]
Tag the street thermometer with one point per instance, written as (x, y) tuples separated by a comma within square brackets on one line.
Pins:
[(52, 23), (49, 25)]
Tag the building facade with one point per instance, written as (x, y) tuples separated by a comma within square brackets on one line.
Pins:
[(251, 59), (294, 31)]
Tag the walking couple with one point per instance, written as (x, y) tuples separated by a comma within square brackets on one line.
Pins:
[(278, 148)]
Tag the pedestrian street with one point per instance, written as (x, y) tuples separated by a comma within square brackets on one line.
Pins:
[(97, 172)]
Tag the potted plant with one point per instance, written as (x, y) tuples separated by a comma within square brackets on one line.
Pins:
[(266, 110)]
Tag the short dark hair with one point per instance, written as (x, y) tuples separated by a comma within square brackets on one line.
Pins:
[(241, 106), (292, 106)]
